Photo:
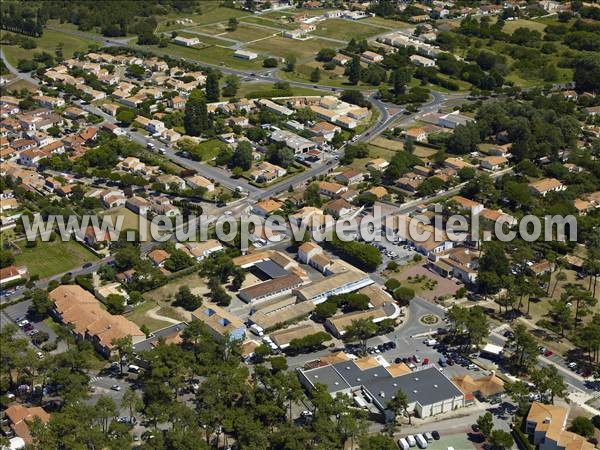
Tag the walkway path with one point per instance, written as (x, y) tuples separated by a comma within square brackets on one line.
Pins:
[(153, 314)]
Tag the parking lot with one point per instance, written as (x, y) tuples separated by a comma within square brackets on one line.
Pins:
[(18, 314)]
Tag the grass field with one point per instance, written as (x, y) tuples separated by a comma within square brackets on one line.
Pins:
[(243, 33), (139, 317), (51, 258), (511, 25), (249, 88), (205, 40), (167, 292), (380, 21), (284, 24), (334, 78), (345, 29), (388, 143), (47, 43), (285, 47), (211, 55), (211, 148), (131, 221), (211, 13)]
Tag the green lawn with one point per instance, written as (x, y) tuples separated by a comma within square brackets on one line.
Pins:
[(250, 88), (243, 33), (389, 23), (210, 149), (334, 78), (47, 43), (282, 24), (211, 13), (167, 292), (205, 40), (51, 258), (286, 47), (139, 317), (210, 55), (511, 25), (346, 29)]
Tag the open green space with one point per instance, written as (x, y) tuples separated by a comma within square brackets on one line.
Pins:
[(243, 32), (250, 88), (334, 78), (211, 148), (167, 292), (205, 41), (388, 23), (211, 13), (285, 47), (284, 24), (47, 43), (345, 30), (139, 317), (51, 258), (511, 25), (210, 55)]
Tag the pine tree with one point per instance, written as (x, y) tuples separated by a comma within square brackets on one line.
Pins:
[(196, 118), (212, 87), (315, 76), (354, 70)]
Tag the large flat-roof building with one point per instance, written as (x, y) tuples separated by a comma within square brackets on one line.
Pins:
[(429, 392), (346, 279)]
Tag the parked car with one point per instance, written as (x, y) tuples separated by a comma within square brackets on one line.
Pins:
[(435, 435), (116, 387)]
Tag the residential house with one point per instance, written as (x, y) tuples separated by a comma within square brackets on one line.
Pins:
[(332, 190), (158, 257), (493, 163), (545, 185), (266, 172), (545, 426), (338, 208), (198, 181), (138, 205), (379, 164), (20, 418), (266, 207), (350, 176)]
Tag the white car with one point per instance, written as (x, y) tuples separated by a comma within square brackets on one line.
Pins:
[(116, 387)]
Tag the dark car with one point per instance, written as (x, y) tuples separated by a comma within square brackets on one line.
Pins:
[(435, 435), (87, 265), (475, 428), (398, 360)]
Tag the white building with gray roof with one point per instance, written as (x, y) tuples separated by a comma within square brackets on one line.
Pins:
[(428, 391)]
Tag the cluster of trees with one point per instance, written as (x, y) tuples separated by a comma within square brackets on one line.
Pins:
[(498, 439), (468, 327), (347, 302), (113, 19), (196, 119), (358, 253), (402, 294), (23, 18)]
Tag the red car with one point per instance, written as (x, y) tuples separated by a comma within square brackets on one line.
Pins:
[(425, 361), (548, 353)]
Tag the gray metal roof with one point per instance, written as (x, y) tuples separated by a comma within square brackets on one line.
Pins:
[(271, 269), (149, 343), (427, 386), (328, 376)]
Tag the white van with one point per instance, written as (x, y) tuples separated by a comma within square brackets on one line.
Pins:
[(403, 444), (421, 442), (133, 368), (411, 440), (258, 331)]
